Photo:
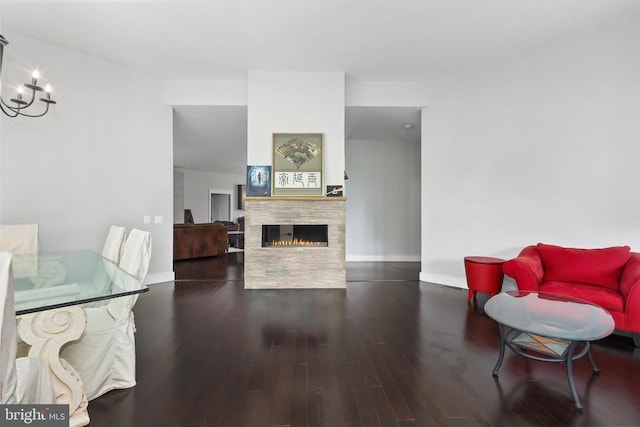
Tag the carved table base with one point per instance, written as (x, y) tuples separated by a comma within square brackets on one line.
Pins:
[(47, 331)]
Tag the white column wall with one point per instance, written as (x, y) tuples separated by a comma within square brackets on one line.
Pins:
[(540, 147), (297, 102), (102, 156)]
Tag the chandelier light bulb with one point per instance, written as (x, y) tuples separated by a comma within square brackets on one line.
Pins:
[(35, 74)]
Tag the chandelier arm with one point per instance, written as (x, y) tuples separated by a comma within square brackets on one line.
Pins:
[(46, 110), (6, 111), (33, 98), (15, 112), (11, 107)]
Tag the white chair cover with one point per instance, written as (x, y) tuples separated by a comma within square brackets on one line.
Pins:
[(136, 254), (21, 239), (113, 245), (26, 379), (105, 355)]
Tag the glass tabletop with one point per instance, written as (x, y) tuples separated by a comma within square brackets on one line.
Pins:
[(550, 315), (45, 281)]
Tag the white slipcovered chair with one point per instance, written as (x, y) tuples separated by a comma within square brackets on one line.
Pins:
[(113, 245), (24, 380), (21, 239), (105, 354)]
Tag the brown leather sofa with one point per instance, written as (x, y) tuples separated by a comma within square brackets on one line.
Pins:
[(199, 240)]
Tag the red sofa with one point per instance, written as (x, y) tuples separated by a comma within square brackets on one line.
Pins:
[(608, 277)]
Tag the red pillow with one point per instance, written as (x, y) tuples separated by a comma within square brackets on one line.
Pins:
[(590, 266)]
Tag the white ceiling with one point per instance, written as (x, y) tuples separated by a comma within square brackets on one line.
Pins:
[(369, 40), (382, 124)]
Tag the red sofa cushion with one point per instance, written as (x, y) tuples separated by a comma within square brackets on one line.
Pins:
[(606, 298), (600, 267)]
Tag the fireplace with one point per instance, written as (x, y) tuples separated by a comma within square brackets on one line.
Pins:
[(294, 235), (275, 218)]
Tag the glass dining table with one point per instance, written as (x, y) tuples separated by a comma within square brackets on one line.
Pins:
[(50, 293)]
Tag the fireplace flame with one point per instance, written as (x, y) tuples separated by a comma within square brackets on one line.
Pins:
[(295, 242)]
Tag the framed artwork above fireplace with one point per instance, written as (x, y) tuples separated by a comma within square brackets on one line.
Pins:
[(298, 164)]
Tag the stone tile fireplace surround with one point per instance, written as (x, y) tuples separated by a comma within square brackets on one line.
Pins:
[(294, 267)]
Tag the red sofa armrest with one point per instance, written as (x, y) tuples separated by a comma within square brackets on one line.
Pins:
[(630, 288), (526, 269)]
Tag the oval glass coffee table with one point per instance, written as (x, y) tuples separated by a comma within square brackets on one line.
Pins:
[(548, 328)]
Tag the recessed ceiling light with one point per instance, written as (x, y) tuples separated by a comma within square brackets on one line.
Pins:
[(408, 126)]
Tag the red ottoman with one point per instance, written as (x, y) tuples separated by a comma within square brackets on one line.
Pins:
[(484, 274)]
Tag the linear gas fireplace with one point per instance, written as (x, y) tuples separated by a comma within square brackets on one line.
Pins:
[(294, 235), (294, 222)]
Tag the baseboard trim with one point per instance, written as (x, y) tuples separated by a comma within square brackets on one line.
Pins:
[(383, 258), (154, 278), (443, 279)]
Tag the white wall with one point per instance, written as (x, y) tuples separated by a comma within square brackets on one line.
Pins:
[(383, 207), (205, 92), (196, 192), (387, 94), (540, 147), (178, 196), (297, 102), (102, 156)]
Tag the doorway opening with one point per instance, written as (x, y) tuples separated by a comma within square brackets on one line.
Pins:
[(219, 205)]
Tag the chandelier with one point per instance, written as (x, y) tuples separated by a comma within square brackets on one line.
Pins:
[(17, 105)]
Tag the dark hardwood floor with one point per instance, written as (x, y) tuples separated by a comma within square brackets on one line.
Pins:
[(388, 351)]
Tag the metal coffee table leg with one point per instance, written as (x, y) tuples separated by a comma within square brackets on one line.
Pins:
[(503, 340), (572, 385), (593, 362)]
